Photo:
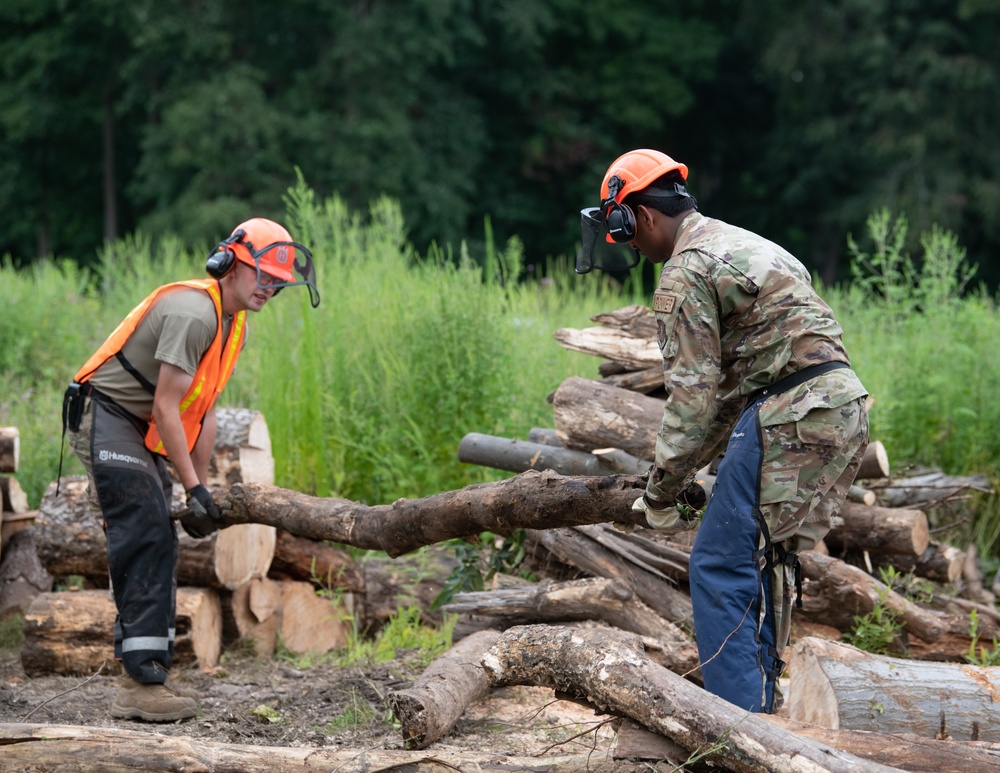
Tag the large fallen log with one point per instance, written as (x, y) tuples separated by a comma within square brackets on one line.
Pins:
[(610, 671), (298, 558), (839, 686), (519, 456), (880, 530), (939, 562), (534, 500), (902, 750), (73, 632), (633, 353), (111, 750), (430, 708), (612, 601)]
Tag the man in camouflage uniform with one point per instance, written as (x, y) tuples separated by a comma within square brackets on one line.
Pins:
[(753, 355)]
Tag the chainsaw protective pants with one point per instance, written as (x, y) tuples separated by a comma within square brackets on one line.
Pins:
[(130, 488)]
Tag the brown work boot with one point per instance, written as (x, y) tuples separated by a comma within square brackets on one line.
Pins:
[(151, 702), (179, 689)]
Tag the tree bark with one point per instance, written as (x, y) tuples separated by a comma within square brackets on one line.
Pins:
[(22, 576), (912, 754), (72, 632), (880, 530), (590, 414), (839, 686), (611, 672), (104, 750), (429, 710), (653, 583), (610, 600), (529, 500), (298, 558), (519, 456), (10, 449)]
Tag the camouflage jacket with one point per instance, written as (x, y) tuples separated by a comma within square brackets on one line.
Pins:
[(735, 313)]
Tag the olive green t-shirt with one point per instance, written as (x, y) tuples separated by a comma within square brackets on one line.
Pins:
[(177, 329)]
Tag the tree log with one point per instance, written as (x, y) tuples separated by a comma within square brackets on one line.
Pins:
[(10, 449), (610, 671), (14, 498), (634, 320), (107, 750), (631, 352), (880, 530), (862, 495), (12, 523), (22, 576), (835, 592), (591, 414), (839, 686), (519, 456), (529, 500), (875, 463), (298, 558), (908, 752), (652, 585), (610, 600), (72, 632), (940, 562), (931, 489), (429, 710), (306, 621)]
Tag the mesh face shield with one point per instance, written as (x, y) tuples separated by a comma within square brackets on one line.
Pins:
[(286, 264), (597, 252)]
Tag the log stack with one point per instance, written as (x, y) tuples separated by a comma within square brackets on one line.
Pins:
[(600, 422), (248, 580)]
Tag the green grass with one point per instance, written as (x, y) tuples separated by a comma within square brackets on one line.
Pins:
[(368, 396)]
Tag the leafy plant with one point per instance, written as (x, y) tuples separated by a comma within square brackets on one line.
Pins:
[(479, 561), (979, 654), (879, 629)]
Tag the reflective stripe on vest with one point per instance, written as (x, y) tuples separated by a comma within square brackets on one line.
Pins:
[(214, 370)]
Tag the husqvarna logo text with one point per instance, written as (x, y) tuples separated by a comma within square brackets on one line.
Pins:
[(281, 254), (113, 456)]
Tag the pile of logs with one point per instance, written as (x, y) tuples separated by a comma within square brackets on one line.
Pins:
[(609, 623), (250, 581), (21, 577)]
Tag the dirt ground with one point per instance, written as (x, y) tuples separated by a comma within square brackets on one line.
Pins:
[(322, 706)]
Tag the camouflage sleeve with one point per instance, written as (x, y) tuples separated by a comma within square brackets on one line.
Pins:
[(687, 323)]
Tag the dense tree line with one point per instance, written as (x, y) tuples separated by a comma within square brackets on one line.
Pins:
[(796, 119)]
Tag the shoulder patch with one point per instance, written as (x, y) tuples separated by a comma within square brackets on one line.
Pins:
[(665, 303)]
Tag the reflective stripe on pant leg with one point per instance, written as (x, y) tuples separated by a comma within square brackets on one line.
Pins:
[(132, 486), (725, 575)]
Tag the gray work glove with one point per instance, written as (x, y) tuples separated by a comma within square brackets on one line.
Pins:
[(203, 517)]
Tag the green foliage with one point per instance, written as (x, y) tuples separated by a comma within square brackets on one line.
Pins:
[(479, 561), (403, 631), (979, 654), (878, 630), (12, 632)]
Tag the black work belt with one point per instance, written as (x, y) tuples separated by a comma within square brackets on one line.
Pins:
[(792, 381)]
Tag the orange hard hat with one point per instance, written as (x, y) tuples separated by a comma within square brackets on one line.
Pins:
[(636, 170), (265, 245)]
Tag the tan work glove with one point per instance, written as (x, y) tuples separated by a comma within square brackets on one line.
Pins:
[(668, 519)]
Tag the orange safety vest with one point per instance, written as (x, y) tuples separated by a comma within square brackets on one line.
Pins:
[(213, 372)]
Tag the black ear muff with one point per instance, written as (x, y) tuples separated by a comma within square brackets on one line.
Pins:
[(619, 218), (222, 259)]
